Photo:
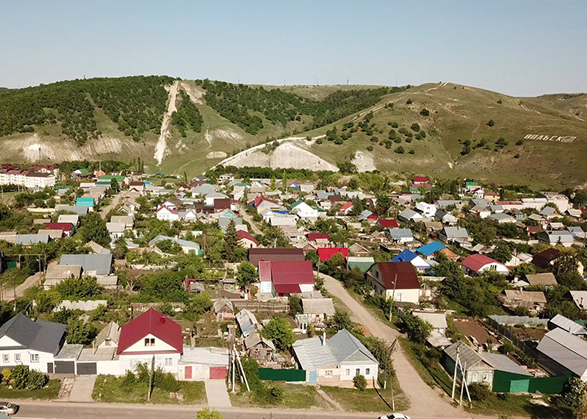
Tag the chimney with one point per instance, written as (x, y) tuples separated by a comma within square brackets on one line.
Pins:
[(324, 338)]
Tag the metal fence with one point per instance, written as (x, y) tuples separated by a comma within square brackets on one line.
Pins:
[(282, 375), (518, 343)]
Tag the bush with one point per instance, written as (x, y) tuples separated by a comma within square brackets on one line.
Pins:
[(360, 382), (28, 379), (425, 112), (20, 374), (415, 127), (400, 150), (479, 391), (6, 375), (206, 413), (490, 123)]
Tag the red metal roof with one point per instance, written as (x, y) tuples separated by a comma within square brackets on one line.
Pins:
[(264, 271), (272, 254), (59, 226), (346, 206), (168, 209), (326, 253), (290, 273), (420, 179), (287, 288), (242, 234), (477, 261), (258, 200), (388, 223), (318, 236), (151, 322), (407, 279)]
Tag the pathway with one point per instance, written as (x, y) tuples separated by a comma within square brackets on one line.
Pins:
[(330, 400), (83, 387), (32, 281), (246, 217), (425, 401), (217, 394)]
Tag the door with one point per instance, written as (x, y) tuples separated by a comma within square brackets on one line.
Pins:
[(64, 367), (188, 373), (313, 377), (50, 367), (217, 373), (87, 368)]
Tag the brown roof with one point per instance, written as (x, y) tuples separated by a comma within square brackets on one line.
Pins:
[(222, 203), (275, 255), (472, 328), (407, 279), (541, 280), (543, 259)]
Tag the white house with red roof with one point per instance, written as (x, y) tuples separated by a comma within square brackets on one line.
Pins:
[(246, 239), (151, 335), (167, 214), (280, 279), (319, 239), (478, 263), (345, 208)]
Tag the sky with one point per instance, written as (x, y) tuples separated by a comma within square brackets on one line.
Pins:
[(515, 47)]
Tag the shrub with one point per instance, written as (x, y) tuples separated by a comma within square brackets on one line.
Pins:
[(169, 383), (400, 150), (425, 112), (6, 375), (409, 102), (415, 127), (370, 148), (479, 391), (20, 374), (36, 380), (412, 151), (490, 123), (360, 382), (394, 125), (206, 413)]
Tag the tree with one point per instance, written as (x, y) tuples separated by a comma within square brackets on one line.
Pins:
[(295, 305), (418, 329), (425, 112), (280, 332), (94, 229), (574, 392), (79, 333), (360, 382), (114, 185), (502, 253), (207, 413), (230, 242), (246, 275), (340, 320), (479, 391)]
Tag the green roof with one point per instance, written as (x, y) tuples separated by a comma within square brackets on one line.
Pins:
[(57, 187), (471, 183), (363, 266), (83, 171), (110, 177), (295, 204)]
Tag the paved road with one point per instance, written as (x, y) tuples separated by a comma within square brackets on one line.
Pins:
[(425, 401), (65, 410)]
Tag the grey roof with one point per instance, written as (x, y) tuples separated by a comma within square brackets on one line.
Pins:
[(246, 321), (225, 221), (41, 336), (68, 351), (181, 242), (503, 363), (101, 264), (111, 332), (435, 318), (81, 211), (318, 306), (29, 239), (563, 236), (203, 189), (565, 349), (496, 207), (567, 325), (324, 195), (221, 302), (63, 271), (466, 354), (364, 215), (343, 346), (408, 213), (206, 356), (501, 216), (455, 232), (546, 211), (399, 233), (443, 203), (255, 338), (480, 201), (68, 218), (513, 320)]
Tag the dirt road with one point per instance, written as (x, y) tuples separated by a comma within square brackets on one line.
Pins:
[(246, 217), (425, 401), (32, 281)]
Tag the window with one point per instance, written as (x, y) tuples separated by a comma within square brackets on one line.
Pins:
[(328, 373), (474, 377), (367, 371), (149, 341), (16, 357), (168, 362), (5, 358), (485, 376), (34, 357), (348, 371), (357, 371)]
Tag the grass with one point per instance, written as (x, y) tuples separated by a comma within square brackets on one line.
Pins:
[(434, 376), (370, 400), (110, 389), (517, 405), (50, 391), (296, 396)]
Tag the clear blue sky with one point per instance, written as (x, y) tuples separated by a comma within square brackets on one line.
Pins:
[(519, 47)]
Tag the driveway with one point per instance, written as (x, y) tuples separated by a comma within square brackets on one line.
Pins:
[(81, 391), (217, 394), (425, 401)]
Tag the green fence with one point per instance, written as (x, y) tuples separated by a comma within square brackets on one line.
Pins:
[(282, 375), (548, 385), (504, 382)]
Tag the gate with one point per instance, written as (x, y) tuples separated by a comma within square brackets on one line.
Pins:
[(217, 373), (313, 377), (519, 386), (188, 373), (64, 367), (87, 368)]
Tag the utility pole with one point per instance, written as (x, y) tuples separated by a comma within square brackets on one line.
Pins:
[(392, 299), (454, 380), (151, 378)]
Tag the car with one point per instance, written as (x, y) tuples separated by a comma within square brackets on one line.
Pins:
[(394, 416), (8, 408)]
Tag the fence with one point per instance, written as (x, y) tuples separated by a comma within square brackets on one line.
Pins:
[(282, 375), (518, 343), (256, 305)]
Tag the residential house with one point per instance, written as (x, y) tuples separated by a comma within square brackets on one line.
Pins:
[(35, 344), (85, 202), (409, 215), (69, 218), (259, 348), (532, 300), (247, 322), (545, 279), (427, 210), (211, 197), (502, 218), (318, 310), (580, 299), (560, 352), (361, 262), (319, 239), (57, 273), (561, 201), (127, 220), (397, 280), (454, 235), (285, 221), (401, 235), (449, 254), (224, 310), (388, 223), (408, 256), (186, 245), (80, 211), (577, 232), (446, 217), (280, 279), (563, 237), (335, 361), (476, 264), (346, 208), (428, 250), (99, 266), (274, 255), (165, 213), (326, 253), (149, 336), (358, 250), (116, 230), (246, 239), (304, 211), (567, 325), (28, 240), (439, 325), (545, 258)]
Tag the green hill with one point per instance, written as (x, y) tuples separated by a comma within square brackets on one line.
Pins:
[(443, 130)]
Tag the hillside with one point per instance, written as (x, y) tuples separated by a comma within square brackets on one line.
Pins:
[(179, 126)]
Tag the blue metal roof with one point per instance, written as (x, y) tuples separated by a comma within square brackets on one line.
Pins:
[(430, 248), (405, 256)]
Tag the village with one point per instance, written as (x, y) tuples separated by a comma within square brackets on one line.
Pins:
[(222, 282)]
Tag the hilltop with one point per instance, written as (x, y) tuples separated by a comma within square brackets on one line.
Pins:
[(178, 126)]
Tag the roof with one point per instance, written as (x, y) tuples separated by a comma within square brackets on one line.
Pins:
[(318, 236), (404, 271), (477, 261), (503, 363), (284, 275), (206, 356), (565, 349), (388, 223), (542, 279), (271, 254), (102, 263), (544, 258), (29, 239), (318, 306), (343, 346), (327, 253), (41, 335), (580, 299), (151, 322), (111, 332), (242, 234), (567, 325), (455, 232), (466, 354), (181, 242), (255, 338), (409, 213), (399, 233), (430, 248), (436, 318), (404, 256), (535, 297), (63, 271), (361, 262), (220, 303), (246, 321), (448, 253)]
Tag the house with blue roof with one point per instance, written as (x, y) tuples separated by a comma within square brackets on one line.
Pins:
[(408, 256), (85, 202), (430, 249)]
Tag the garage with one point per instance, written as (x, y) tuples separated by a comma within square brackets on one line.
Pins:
[(64, 367), (87, 368), (217, 373)]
